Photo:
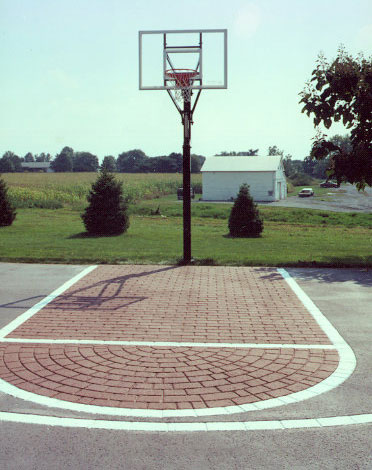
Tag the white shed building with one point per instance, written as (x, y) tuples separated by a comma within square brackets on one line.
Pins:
[(223, 176)]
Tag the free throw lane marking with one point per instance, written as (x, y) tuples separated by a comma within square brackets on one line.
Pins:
[(168, 344), (346, 366)]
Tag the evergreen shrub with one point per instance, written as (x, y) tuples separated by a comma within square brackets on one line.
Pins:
[(245, 220), (106, 213), (7, 211)]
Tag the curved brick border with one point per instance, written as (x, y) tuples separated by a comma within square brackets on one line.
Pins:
[(162, 378), (241, 309)]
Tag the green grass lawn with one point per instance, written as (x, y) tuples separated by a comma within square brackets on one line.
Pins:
[(57, 236), (169, 206), (48, 227)]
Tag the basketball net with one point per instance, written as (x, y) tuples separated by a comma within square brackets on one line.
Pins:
[(182, 80)]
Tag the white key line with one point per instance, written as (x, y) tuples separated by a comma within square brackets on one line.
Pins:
[(170, 344)]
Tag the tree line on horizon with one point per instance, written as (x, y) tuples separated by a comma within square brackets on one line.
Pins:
[(136, 161), (132, 161)]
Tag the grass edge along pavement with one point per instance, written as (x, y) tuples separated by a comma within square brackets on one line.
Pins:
[(57, 236)]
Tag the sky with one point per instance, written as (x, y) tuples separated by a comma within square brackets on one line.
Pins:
[(69, 74)]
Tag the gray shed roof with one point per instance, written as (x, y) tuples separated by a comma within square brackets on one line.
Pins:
[(244, 163), (35, 164)]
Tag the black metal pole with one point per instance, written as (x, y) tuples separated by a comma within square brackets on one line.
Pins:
[(187, 118)]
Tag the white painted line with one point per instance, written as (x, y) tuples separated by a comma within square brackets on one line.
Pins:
[(30, 312), (361, 419), (335, 421), (263, 425), (347, 359), (224, 426), (346, 366), (322, 321), (186, 427), (300, 423), (167, 343)]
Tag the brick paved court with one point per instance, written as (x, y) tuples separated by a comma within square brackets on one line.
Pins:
[(166, 337)]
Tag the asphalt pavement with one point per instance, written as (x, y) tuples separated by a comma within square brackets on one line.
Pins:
[(343, 296), (344, 199)]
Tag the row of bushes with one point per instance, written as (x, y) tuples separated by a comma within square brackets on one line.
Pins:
[(107, 212)]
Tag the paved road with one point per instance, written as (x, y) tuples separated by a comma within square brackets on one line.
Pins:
[(344, 296), (345, 199)]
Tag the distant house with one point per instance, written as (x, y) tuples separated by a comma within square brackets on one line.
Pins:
[(37, 166), (223, 176)]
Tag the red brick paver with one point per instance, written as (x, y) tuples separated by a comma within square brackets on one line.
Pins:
[(161, 377), (180, 304), (170, 304)]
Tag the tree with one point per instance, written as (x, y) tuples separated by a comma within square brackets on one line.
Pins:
[(63, 161), (177, 162), (342, 141), (85, 161), (286, 160), (171, 163), (321, 168), (339, 91), (273, 150), (301, 179), (29, 157), (309, 165), (244, 220), (133, 161), (6, 165), (196, 163), (10, 162), (109, 164), (162, 164), (42, 157), (287, 164), (297, 166), (7, 212), (246, 153), (106, 213)]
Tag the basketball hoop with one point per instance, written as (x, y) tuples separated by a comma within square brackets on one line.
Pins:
[(182, 80), (183, 48)]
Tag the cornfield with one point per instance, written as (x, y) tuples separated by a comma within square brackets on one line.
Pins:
[(56, 190)]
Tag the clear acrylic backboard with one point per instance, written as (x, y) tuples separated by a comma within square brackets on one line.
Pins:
[(203, 52)]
